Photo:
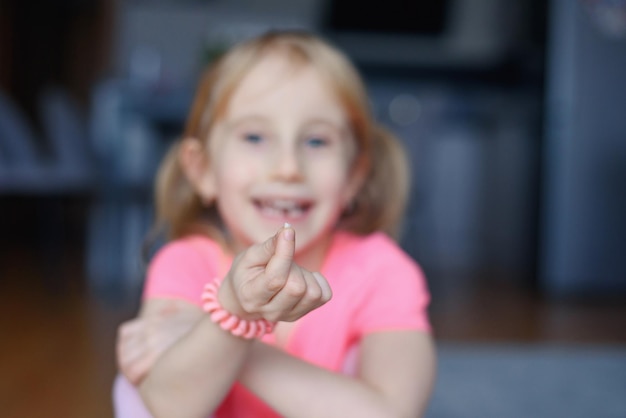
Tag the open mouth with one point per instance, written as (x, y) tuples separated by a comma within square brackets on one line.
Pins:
[(283, 208)]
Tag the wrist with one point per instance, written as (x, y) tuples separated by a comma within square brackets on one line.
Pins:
[(228, 321), (227, 298)]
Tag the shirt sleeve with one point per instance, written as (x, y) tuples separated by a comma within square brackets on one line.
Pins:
[(395, 297), (179, 270)]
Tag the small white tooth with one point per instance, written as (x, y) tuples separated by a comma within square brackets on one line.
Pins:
[(284, 204)]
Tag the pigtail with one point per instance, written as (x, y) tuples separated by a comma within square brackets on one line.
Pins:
[(381, 202), (176, 201)]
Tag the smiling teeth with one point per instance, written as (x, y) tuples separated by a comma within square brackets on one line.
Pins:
[(284, 204), (282, 207)]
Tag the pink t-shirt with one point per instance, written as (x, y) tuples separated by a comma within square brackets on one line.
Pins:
[(376, 287)]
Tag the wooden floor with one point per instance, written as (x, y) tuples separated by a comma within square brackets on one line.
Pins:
[(57, 351), (56, 356)]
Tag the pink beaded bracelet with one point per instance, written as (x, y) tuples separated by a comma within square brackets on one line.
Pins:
[(229, 322)]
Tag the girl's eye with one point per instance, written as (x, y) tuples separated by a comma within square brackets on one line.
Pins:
[(253, 138), (316, 142)]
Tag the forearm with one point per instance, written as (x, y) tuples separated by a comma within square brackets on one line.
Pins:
[(287, 384), (194, 375)]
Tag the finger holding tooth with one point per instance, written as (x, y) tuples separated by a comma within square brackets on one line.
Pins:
[(265, 282)]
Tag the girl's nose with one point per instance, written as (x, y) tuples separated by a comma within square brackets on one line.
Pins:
[(287, 166)]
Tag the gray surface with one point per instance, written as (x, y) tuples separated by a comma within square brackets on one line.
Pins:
[(530, 381)]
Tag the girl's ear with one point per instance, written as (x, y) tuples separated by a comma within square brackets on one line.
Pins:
[(194, 162)]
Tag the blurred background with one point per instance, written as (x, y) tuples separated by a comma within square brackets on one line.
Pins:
[(512, 114)]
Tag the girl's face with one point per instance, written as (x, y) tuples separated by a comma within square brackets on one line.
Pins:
[(282, 153)]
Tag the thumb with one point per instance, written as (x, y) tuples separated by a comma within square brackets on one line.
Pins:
[(284, 242)]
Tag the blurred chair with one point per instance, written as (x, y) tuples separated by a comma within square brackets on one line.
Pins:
[(65, 128), (18, 154), (23, 168)]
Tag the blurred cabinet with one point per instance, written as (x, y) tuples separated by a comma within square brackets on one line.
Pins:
[(474, 154), (584, 204)]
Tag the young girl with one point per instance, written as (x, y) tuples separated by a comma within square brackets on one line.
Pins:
[(281, 189)]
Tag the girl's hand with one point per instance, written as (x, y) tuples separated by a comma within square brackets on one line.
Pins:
[(265, 282), (141, 341)]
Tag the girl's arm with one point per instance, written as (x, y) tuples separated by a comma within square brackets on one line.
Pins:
[(395, 379), (172, 351), (395, 375), (193, 376), (142, 340)]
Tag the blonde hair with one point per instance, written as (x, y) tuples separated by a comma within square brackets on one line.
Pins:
[(380, 202)]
